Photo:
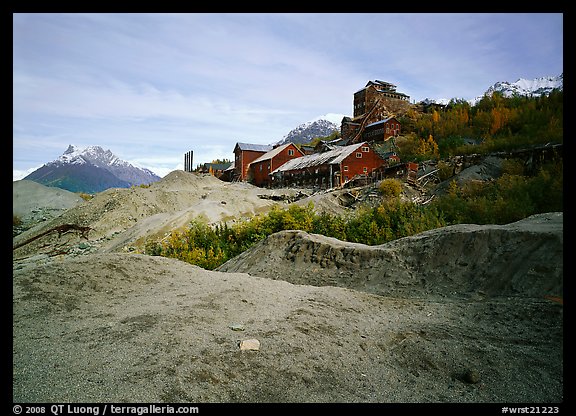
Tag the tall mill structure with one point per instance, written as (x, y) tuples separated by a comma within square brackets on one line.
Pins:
[(377, 101), (188, 161)]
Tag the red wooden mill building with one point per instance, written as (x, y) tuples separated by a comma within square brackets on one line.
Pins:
[(329, 169), (244, 154), (382, 130), (359, 152), (260, 169)]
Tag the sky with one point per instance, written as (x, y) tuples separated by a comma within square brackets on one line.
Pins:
[(151, 87)]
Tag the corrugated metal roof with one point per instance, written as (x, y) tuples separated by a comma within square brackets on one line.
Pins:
[(330, 157), (254, 147), (269, 155), (379, 122), (349, 150), (216, 166)]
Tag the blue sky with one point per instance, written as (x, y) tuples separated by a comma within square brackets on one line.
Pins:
[(150, 87)]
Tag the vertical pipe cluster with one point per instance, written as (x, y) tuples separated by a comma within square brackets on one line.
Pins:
[(188, 161)]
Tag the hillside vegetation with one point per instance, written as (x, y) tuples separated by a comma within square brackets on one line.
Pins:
[(496, 122), (511, 197)]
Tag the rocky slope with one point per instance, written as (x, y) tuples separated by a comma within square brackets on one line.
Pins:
[(463, 314), (123, 219), (33, 202)]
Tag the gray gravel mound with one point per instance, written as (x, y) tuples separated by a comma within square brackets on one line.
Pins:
[(524, 258)]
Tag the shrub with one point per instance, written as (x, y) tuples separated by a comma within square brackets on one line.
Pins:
[(509, 198), (513, 167), (85, 196), (153, 248), (390, 188), (16, 221), (445, 171)]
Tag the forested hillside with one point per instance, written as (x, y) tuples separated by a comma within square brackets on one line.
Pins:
[(495, 123)]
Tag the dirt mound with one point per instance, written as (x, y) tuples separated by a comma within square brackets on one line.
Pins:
[(524, 258), (133, 328), (34, 202), (123, 218)]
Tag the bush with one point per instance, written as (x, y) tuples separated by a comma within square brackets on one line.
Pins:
[(85, 196), (513, 167), (390, 188), (509, 198), (153, 248), (16, 221), (209, 247), (199, 245), (445, 171)]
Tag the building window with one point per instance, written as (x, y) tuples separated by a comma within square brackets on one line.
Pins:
[(365, 149), (260, 168), (365, 170), (358, 155), (345, 168), (290, 152)]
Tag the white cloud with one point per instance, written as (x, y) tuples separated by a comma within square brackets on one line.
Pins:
[(18, 174)]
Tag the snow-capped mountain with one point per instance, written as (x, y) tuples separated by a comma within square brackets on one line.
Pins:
[(90, 170), (321, 126), (429, 101), (530, 87)]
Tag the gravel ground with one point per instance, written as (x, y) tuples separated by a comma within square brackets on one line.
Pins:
[(114, 327)]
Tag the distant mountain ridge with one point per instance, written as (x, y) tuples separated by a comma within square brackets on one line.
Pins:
[(321, 126), (91, 170), (521, 87), (530, 87)]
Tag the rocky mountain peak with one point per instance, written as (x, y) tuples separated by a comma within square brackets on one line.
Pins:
[(92, 169), (321, 126)]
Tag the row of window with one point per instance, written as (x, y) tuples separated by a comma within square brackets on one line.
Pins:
[(394, 128), (365, 149), (365, 170)]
